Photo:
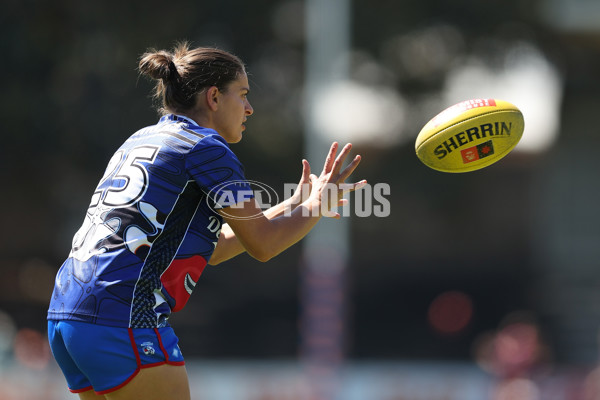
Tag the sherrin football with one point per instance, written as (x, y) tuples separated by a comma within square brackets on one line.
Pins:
[(470, 135)]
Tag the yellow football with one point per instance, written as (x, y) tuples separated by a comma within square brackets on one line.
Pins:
[(470, 135)]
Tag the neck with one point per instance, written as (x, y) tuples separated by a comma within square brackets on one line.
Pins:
[(198, 117)]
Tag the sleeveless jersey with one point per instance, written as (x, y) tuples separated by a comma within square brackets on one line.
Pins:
[(150, 228)]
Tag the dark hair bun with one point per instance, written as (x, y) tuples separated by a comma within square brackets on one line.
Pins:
[(184, 72), (158, 65)]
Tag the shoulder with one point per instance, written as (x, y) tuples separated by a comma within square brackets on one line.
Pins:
[(213, 142), (213, 152), (212, 138)]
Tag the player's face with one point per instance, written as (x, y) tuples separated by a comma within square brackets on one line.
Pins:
[(234, 108)]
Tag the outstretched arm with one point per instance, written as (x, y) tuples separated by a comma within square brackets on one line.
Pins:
[(264, 238), (229, 246)]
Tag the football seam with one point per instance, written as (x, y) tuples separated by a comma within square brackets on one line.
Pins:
[(466, 120)]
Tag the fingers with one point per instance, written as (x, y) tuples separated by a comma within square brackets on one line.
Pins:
[(342, 202), (305, 172), (329, 160), (331, 214), (351, 187), (337, 165), (333, 164), (345, 188), (350, 168), (360, 185)]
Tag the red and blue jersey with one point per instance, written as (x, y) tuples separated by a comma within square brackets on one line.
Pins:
[(150, 228)]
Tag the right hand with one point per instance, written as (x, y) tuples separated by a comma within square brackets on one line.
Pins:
[(304, 187)]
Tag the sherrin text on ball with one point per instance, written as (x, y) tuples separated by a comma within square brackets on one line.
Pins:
[(470, 135)]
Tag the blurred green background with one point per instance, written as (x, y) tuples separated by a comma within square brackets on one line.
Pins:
[(515, 245)]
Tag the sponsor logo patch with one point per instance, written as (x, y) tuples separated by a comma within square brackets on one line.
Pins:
[(478, 152)]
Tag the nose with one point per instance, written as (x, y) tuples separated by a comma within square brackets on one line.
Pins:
[(248, 109)]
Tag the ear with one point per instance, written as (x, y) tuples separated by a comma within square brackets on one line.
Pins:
[(212, 97)]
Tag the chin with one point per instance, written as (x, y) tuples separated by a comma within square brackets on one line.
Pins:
[(236, 139)]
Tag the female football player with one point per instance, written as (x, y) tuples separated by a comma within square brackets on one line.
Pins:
[(173, 199)]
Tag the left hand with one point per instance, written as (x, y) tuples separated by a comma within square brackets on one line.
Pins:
[(334, 177)]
